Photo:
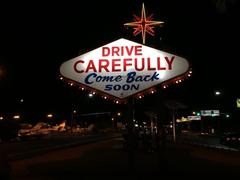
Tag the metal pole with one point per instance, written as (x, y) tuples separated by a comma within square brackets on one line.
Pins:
[(174, 126), (71, 120), (133, 110), (131, 137)]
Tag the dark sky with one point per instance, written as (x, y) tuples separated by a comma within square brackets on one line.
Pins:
[(36, 37)]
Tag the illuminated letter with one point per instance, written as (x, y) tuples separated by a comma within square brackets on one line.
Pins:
[(115, 50), (115, 64), (159, 64), (138, 50), (75, 66), (91, 66), (87, 78), (125, 64), (169, 62), (103, 64), (105, 51), (137, 63)]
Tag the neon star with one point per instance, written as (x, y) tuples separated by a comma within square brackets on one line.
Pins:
[(143, 24)]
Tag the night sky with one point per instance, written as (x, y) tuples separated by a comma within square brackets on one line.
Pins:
[(37, 37)]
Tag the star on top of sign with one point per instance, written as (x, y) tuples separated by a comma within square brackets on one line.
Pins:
[(143, 24)]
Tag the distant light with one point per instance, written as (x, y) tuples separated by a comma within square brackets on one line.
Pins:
[(227, 115), (119, 114), (49, 115), (112, 119), (93, 93), (105, 97), (90, 95), (217, 93), (71, 84), (61, 78), (117, 102), (82, 88), (1, 118), (21, 100), (16, 117), (74, 111)]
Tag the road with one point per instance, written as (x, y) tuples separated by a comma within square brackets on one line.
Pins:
[(21, 149), (107, 159), (211, 141)]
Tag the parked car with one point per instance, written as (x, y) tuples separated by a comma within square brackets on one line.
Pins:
[(230, 139)]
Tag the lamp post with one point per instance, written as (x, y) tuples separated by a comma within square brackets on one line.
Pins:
[(74, 112), (217, 94)]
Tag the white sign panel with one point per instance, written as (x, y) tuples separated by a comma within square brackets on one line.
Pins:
[(123, 68), (194, 118), (210, 113)]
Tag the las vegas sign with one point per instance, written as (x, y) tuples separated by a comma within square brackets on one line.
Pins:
[(123, 68)]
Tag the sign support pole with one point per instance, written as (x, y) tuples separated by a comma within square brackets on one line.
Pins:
[(131, 136), (174, 126)]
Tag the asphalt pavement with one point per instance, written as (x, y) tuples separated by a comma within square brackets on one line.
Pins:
[(109, 160)]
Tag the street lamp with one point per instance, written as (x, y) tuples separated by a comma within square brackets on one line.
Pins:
[(49, 115), (16, 117), (217, 93)]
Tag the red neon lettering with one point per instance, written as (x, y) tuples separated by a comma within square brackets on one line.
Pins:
[(115, 50), (116, 63), (122, 50), (129, 50), (136, 63), (138, 50), (170, 62), (75, 66), (125, 64), (149, 65), (103, 64), (159, 64), (105, 51), (91, 66)]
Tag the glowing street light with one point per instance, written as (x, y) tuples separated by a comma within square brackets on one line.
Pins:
[(217, 93), (16, 117), (49, 115)]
